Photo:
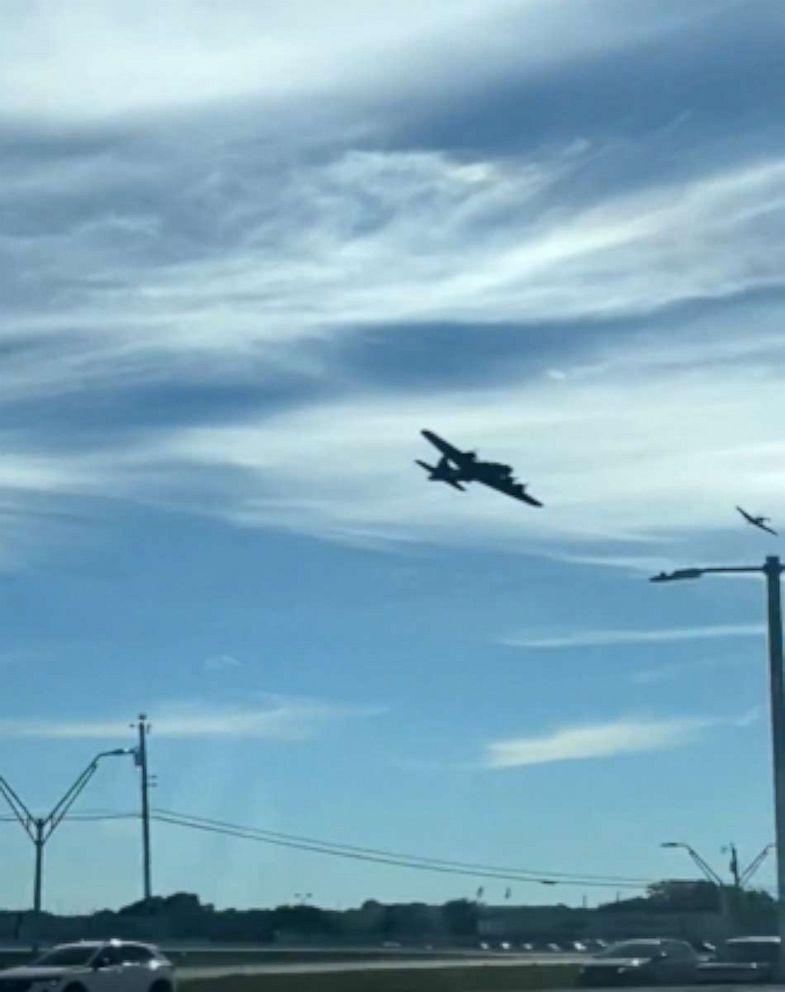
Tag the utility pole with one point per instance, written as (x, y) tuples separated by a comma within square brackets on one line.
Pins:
[(143, 728), (772, 569)]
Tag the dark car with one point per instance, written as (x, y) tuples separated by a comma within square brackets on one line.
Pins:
[(642, 962), (742, 959)]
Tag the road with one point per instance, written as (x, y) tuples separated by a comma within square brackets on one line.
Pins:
[(381, 964)]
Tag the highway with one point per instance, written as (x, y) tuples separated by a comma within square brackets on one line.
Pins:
[(381, 964)]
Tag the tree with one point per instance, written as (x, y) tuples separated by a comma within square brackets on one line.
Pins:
[(461, 917), (674, 895)]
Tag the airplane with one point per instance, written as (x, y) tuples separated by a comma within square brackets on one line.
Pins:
[(759, 522), (456, 467)]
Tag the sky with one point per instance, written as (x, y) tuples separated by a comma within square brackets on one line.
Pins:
[(245, 257)]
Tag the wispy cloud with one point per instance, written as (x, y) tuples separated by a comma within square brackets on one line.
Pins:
[(222, 663), (282, 52), (371, 238), (157, 256), (274, 718), (600, 638), (750, 717), (598, 740)]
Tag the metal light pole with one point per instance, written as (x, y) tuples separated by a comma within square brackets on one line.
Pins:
[(39, 829), (771, 569)]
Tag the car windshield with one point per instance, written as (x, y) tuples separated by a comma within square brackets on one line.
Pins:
[(630, 949), (66, 957), (749, 951)]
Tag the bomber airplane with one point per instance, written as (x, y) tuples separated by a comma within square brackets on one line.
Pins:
[(456, 467)]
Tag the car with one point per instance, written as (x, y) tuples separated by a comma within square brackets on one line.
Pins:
[(653, 961), (94, 966), (742, 960)]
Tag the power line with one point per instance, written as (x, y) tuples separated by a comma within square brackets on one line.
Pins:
[(368, 854), (387, 857), (522, 872)]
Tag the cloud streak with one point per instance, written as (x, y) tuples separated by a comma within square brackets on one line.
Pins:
[(609, 638), (279, 54), (372, 238), (195, 255), (222, 663), (598, 740), (273, 719)]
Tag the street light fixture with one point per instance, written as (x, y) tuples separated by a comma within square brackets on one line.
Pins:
[(772, 570), (40, 828), (740, 878), (704, 866)]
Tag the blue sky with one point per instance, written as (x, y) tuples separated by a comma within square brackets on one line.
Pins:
[(244, 260)]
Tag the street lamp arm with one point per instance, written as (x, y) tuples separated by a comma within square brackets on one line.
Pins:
[(704, 866), (55, 817), (753, 866), (18, 807), (740, 568), (695, 573)]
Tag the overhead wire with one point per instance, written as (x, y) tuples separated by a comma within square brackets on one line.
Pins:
[(368, 854), (378, 856)]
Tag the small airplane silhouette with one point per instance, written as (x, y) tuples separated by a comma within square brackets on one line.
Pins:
[(759, 522), (457, 467)]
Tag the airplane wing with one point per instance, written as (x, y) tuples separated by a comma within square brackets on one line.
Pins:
[(454, 454), (769, 530), (514, 489), (746, 515)]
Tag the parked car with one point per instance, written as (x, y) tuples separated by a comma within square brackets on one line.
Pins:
[(94, 966), (742, 959), (642, 962)]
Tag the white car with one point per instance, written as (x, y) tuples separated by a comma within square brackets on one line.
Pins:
[(94, 966)]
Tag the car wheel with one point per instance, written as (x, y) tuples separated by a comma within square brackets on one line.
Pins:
[(161, 986), (74, 987)]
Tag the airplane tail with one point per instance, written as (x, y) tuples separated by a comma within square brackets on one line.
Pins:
[(435, 477)]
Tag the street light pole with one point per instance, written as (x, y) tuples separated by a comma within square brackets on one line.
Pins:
[(39, 842), (772, 569), (40, 828)]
